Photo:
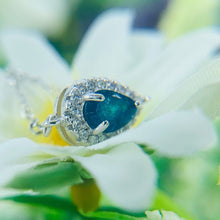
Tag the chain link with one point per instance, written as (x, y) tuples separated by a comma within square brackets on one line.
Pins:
[(15, 79)]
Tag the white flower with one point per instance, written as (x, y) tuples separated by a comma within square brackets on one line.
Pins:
[(140, 59), (48, 16)]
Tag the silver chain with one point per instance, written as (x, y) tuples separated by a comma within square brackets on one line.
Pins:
[(15, 79)]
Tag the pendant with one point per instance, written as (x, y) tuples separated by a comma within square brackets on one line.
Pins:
[(94, 110)]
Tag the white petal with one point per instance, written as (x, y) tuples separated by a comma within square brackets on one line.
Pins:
[(10, 125), (208, 75), (31, 52), (14, 158), (126, 175), (104, 46), (14, 151), (180, 133), (162, 215), (111, 48), (179, 60), (207, 99), (174, 134), (20, 154), (8, 173), (48, 16)]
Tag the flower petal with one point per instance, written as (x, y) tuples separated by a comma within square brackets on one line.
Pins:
[(111, 48), (162, 215), (125, 175), (14, 151), (13, 160), (196, 90), (47, 16), (179, 60), (30, 51), (206, 98), (103, 48), (174, 134), (10, 125), (181, 133)]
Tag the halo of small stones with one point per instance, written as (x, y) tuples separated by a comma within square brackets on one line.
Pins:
[(73, 108)]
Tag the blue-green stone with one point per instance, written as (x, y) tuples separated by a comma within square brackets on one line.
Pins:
[(117, 109)]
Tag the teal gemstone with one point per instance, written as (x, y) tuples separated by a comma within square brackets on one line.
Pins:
[(117, 109)]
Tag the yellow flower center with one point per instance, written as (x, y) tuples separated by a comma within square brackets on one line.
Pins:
[(54, 138)]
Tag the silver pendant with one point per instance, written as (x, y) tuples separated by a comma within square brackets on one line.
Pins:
[(93, 110), (85, 113)]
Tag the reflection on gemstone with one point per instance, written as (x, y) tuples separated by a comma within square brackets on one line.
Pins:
[(117, 109)]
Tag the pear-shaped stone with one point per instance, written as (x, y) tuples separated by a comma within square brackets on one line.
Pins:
[(117, 109)]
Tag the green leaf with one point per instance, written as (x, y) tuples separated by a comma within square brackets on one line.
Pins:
[(146, 149), (150, 215), (62, 204), (49, 201), (111, 215), (162, 201), (41, 206), (49, 176)]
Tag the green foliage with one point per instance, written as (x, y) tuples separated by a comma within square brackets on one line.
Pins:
[(49, 201), (189, 15), (64, 207), (150, 215), (217, 127), (49, 176), (110, 215), (146, 149), (189, 185), (162, 201), (43, 206)]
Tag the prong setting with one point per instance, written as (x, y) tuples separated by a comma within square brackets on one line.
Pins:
[(94, 97), (138, 103), (101, 128)]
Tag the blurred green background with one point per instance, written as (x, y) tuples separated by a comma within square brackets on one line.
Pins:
[(188, 184)]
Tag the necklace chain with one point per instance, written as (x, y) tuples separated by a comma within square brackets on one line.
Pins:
[(15, 79)]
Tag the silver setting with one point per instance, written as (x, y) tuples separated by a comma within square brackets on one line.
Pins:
[(137, 103), (69, 106), (94, 97), (102, 127)]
